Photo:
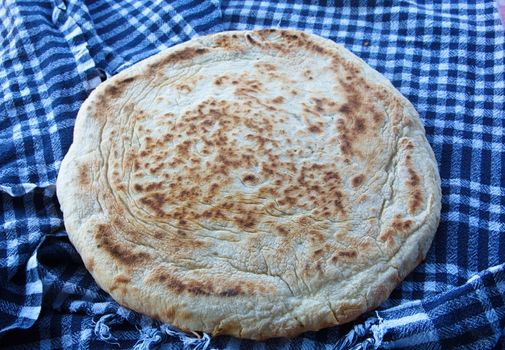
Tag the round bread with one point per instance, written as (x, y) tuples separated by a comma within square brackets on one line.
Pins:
[(252, 183)]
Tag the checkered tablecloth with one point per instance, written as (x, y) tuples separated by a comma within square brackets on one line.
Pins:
[(446, 57)]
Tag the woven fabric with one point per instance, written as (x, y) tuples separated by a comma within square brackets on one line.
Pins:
[(446, 57)]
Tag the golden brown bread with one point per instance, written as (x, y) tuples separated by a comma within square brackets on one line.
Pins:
[(256, 183)]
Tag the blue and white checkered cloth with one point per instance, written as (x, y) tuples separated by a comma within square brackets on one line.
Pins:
[(446, 57)]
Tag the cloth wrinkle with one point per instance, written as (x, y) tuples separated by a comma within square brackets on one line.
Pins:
[(361, 336)]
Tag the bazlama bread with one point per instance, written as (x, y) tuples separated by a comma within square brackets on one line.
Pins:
[(252, 183)]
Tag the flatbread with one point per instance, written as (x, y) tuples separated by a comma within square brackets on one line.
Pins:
[(252, 183)]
